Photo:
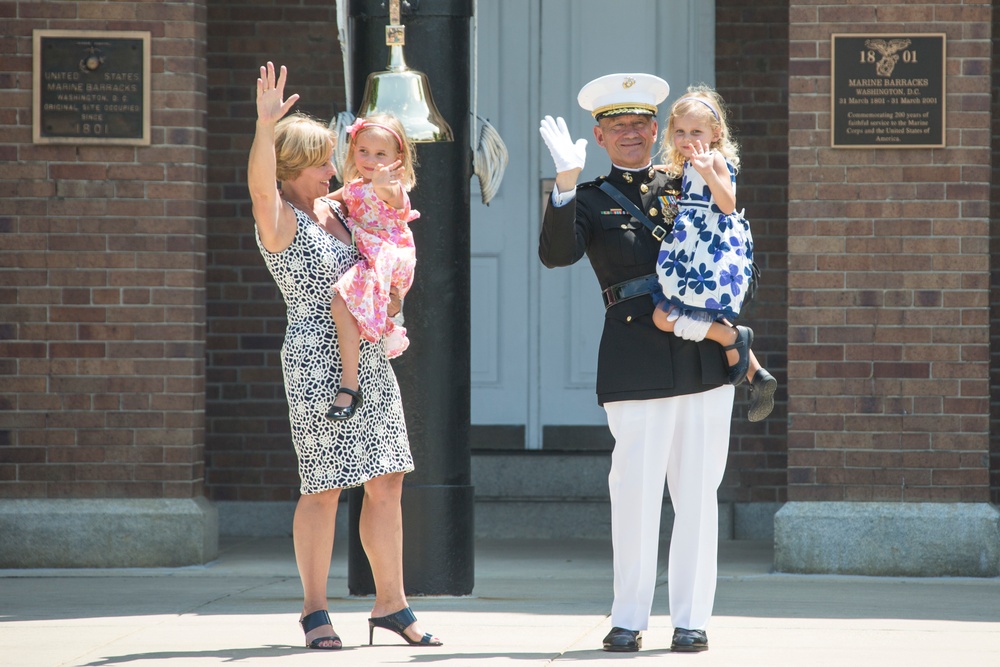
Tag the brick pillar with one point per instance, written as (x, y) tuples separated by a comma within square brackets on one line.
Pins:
[(888, 333), (102, 255), (995, 269), (751, 74)]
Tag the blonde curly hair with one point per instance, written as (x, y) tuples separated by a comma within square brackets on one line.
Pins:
[(707, 105)]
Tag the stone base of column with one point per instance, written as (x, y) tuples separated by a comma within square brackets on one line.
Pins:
[(888, 539), (156, 532), (268, 518)]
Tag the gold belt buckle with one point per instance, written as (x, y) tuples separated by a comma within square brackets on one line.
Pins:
[(659, 233)]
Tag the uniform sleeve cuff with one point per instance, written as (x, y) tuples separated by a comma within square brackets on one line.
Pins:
[(560, 199)]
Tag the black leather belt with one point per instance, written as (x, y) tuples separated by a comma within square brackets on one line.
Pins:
[(629, 289)]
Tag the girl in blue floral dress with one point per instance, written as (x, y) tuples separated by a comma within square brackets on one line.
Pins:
[(705, 263)]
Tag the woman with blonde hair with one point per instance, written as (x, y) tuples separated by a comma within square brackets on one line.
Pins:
[(306, 245)]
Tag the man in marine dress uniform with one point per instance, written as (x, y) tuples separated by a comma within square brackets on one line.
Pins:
[(667, 396)]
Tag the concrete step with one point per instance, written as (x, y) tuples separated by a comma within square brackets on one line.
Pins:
[(536, 474), (525, 494), (554, 495)]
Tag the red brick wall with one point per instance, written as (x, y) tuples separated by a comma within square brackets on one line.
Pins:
[(249, 456), (995, 266), (751, 65), (102, 256), (888, 337), (102, 274), (249, 450)]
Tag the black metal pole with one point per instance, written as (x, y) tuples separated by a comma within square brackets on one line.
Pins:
[(434, 373)]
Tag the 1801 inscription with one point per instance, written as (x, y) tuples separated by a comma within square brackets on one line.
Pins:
[(888, 91), (91, 87)]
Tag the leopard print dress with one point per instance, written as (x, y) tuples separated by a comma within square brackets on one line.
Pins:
[(332, 454)]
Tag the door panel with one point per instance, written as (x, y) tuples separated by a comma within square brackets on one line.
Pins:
[(535, 358), (501, 232)]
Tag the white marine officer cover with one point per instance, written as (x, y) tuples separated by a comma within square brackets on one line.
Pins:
[(623, 93)]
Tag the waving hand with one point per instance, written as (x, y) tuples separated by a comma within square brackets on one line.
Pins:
[(271, 105)]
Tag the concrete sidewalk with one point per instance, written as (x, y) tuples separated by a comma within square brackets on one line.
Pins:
[(534, 603)]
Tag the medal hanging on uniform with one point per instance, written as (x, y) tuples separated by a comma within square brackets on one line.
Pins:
[(669, 202)]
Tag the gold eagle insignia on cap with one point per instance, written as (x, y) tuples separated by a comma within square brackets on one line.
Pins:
[(628, 82)]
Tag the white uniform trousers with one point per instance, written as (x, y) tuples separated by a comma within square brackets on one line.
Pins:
[(684, 439)]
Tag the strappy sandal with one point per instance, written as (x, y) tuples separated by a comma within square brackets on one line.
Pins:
[(337, 413), (744, 339), (398, 623), (762, 387), (310, 622)]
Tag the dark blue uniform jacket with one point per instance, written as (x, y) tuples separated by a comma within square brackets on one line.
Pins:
[(636, 360)]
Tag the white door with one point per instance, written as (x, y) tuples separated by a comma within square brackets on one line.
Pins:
[(536, 330)]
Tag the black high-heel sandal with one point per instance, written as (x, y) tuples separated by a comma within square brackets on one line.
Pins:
[(310, 622), (337, 413), (744, 339), (398, 623)]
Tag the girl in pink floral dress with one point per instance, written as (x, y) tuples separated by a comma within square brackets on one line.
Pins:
[(378, 172)]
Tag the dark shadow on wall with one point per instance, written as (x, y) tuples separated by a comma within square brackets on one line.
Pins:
[(751, 71)]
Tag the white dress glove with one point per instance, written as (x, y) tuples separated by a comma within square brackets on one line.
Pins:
[(565, 153), (690, 325)]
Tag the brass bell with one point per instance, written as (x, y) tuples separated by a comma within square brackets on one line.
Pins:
[(404, 92)]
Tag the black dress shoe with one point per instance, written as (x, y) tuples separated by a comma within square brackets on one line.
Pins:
[(620, 640), (689, 641), (762, 388)]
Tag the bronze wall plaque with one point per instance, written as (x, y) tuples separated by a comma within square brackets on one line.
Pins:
[(887, 90), (91, 87)]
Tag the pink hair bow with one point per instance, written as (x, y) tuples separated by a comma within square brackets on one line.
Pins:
[(356, 126)]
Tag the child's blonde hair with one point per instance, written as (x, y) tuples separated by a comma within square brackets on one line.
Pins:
[(388, 127), (301, 141), (706, 105)]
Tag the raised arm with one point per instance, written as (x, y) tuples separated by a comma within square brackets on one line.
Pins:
[(270, 214), (563, 240)]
